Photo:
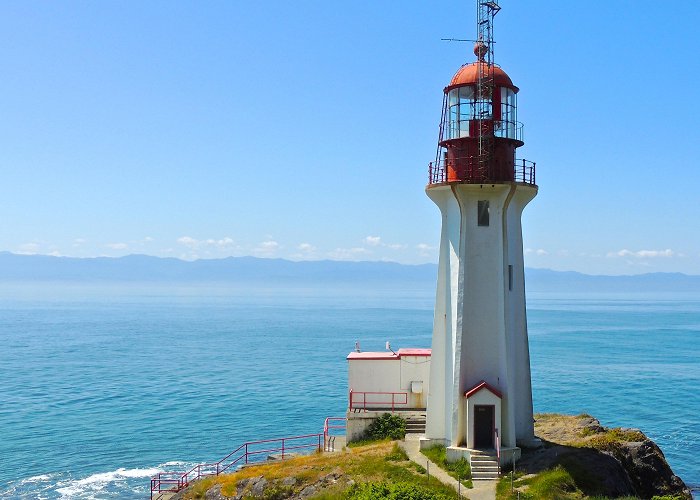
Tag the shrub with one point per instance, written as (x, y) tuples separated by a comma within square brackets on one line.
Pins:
[(387, 426), (392, 491)]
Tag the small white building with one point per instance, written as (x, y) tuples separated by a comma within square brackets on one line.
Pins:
[(381, 382)]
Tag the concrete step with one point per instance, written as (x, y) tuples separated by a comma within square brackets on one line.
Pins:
[(487, 470)]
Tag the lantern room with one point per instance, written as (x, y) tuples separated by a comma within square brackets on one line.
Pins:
[(479, 131)]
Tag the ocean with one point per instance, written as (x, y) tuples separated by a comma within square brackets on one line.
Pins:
[(102, 386)]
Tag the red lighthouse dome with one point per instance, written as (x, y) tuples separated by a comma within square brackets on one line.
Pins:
[(468, 74)]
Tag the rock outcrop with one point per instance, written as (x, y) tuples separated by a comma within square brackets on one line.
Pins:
[(611, 462)]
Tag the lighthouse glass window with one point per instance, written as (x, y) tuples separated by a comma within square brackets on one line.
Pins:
[(507, 127), (483, 213), (462, 109)]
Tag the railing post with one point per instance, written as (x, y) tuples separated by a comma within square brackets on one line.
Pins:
[(246, 453), (282, 448)]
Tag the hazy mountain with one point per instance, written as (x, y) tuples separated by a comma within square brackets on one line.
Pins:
[(145, 268)]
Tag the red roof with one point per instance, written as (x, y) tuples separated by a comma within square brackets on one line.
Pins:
[(389, 354), (483, 385), (469, 74), (412, 351)]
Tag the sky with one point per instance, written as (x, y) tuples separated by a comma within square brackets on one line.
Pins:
[(303, 130)]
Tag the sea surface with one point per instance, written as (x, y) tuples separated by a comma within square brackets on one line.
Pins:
[(102, 386)]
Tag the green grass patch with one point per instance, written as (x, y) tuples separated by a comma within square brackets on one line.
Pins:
[(552, 484), (365, 442), (611, 439), (459, 470), (393, 491), (397, 454)]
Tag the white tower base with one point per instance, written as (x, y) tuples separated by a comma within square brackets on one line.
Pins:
[(480, 327)]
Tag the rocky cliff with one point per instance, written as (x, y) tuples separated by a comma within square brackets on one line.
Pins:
[(610, 462)]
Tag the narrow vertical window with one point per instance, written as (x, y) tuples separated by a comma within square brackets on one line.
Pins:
[(483, 212), (510, 277)]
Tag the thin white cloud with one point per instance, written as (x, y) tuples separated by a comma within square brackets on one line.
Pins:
[(117, 246), (29, 248), (348, 253), (267, 248), (306, 248), (188, 241), (643, 254), (376, 241), (425, 250), (536, 251), (396, 246)]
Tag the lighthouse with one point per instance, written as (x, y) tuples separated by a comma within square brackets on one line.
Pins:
[(480, 395)]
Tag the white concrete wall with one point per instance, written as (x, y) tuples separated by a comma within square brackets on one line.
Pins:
[(415, 369), (443, 371), (479, 327), (389, 375), (516, 320)]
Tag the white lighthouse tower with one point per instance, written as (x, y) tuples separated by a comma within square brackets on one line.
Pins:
[(480, 395)]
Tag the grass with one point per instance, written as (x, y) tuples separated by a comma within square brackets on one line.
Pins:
[(382, 462), (611, 439), (552, 484), (459, 470)]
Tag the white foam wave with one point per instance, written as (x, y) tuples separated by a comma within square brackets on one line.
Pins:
[(37, 479), (97, 482)]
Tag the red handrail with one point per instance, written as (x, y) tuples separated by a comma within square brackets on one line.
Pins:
[(523, 172), (331, 423), (172, 482), (364, 401)]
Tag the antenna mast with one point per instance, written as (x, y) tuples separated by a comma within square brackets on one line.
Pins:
[(485, 86)]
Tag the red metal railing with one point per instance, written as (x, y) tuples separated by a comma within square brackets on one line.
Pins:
[(331, 424), (524, 171), (250, 452), (376, 401)]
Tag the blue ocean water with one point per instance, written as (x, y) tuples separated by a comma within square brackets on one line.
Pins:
[(101, 386)]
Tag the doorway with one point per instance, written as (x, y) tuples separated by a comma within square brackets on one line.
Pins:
[(484, 421)]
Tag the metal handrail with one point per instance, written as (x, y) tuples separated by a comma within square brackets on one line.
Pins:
[(331, 423), (364, 401), (498, 450), (523, 171), (172, 482)]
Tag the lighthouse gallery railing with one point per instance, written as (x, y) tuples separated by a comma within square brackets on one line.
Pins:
[(524, 172)]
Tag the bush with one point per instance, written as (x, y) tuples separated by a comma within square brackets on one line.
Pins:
[(387, 426), (392, 491)]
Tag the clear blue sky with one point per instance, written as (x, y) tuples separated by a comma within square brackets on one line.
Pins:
[(303, 129)]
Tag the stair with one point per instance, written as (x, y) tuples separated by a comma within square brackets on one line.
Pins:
[(415, 425), (484, 465)]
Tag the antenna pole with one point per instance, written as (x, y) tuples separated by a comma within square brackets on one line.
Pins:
[(486, 10)]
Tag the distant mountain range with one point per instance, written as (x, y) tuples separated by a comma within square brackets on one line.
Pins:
[(144, 268)]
